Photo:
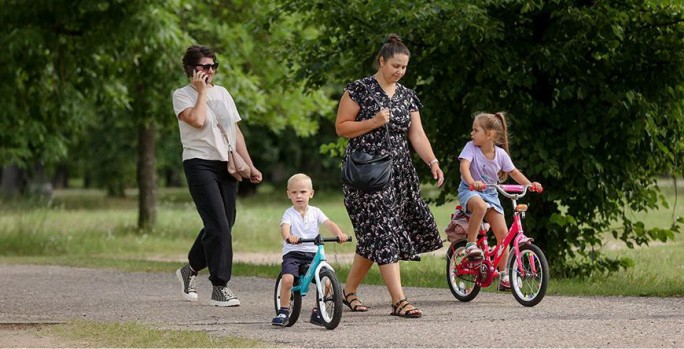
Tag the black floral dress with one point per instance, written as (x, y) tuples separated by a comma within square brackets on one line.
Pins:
[(394, 223)]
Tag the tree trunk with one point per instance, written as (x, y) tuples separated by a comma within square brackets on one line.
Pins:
[(12, 182), (60, 180), (38, 184), (147, 176)]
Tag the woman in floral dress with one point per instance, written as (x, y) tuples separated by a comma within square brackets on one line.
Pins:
[(394, 223)]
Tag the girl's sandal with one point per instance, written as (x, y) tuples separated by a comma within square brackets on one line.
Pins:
[(411, 313), (358, 306)]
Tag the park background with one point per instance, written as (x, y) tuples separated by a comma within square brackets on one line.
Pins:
[(90, 156)]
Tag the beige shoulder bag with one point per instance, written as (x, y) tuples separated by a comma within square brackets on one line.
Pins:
[(237, 166)]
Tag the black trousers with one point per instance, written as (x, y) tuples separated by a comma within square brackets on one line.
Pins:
[(214, 192)]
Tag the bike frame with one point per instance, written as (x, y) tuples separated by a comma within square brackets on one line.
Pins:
[(515, 234), (318, 263)]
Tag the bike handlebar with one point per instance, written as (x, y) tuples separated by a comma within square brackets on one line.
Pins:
[(509, 190), (319, 240)]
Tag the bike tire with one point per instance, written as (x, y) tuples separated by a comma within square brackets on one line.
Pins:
[(330, 307), (295, 301), (463, 287), (530, 280)]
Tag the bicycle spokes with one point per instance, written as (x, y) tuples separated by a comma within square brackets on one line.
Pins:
[(526, 264), (529, 275), (330, 304), (463, 285)]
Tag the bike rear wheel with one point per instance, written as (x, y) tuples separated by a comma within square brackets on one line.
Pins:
[(463, 287), (295, 301), (330, 304), (529, 279)]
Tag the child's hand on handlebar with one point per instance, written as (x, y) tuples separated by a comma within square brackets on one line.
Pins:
[(536, 187), (342, 238), (292, 240), (477, 185)]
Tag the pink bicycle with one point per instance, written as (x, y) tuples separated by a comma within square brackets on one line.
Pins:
[(527, 265)]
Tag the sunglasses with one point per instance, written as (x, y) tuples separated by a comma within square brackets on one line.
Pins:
[(208, 66)]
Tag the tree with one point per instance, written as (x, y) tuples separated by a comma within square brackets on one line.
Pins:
[(49, 95), (93, 80), (593, 90)]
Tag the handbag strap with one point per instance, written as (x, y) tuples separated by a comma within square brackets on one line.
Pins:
[(387, 135), (223, 130), (225, 135)]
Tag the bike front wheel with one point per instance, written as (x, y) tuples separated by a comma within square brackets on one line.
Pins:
[(295, 301), (330, 303), (464, 287), (530, 277)]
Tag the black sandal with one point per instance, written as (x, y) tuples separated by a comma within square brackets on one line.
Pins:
[(348, 302), (412, 314)]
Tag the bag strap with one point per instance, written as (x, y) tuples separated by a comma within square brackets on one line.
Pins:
[(225, 135), (223, 130), (387, 135)]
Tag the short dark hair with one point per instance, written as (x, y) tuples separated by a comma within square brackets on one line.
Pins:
[(392, 46), (193, 55)]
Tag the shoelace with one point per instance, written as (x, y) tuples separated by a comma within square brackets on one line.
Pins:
[(227, 292), (191, 283)]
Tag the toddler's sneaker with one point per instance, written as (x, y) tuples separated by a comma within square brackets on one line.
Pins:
[(222, 296), (504, 282), (473, 252), (316, 318), (282, 319), (187, 277)]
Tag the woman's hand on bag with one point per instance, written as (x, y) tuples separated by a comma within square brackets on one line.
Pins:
[(255, 177), (382, 117)]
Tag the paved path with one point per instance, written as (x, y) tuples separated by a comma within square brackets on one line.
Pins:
[(39, 294)]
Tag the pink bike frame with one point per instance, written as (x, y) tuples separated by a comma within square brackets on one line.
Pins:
[(515, 234)]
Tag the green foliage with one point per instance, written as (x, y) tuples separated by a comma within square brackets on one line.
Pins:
[(87, 78), (282, 121), (46, 98), (593, 90)]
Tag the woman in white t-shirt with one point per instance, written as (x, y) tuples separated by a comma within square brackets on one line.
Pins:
[(200, 107)]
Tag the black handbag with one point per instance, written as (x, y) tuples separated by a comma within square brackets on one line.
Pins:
[(363, 171), (367, 172)]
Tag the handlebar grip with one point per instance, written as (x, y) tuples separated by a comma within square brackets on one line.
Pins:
[(536, 191), (335, 239)]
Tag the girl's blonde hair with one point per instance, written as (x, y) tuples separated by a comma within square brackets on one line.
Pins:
[(496, 122)]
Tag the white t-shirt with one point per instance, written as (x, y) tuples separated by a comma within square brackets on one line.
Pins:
[(207, 142), (483, 169), (303, 227)]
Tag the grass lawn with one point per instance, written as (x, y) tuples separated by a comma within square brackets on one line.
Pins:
[(85, 228)]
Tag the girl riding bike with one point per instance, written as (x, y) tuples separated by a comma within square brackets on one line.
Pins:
[(485, 160)]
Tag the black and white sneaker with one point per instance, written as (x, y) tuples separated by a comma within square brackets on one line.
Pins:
[(222, 296), (187, 278), (316, 318), (282, 319)]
